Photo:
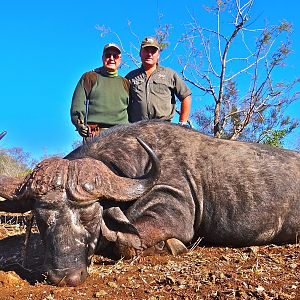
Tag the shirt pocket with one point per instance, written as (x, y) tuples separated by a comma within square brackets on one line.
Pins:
[(138, 86), (160, 87)]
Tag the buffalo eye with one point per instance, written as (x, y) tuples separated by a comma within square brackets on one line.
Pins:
[(90, 216)]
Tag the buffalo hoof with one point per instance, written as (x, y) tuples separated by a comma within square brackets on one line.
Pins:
[(170, 246), (176, 247)]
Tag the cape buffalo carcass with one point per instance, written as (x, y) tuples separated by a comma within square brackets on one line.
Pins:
[(113, 198)]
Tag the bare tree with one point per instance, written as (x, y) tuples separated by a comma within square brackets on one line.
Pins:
[(236, 68)]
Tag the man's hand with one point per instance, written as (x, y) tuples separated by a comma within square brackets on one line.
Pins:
[(83, 129)]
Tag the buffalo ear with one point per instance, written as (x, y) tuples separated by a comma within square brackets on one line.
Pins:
[(116, 228), (13, 190), (10, 186)]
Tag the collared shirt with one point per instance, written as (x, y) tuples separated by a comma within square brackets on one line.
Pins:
[(154, 97)]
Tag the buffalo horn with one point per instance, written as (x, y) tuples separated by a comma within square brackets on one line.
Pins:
[(83, 180), (90, 179)]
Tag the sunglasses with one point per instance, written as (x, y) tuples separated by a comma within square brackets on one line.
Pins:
[(109, 54)]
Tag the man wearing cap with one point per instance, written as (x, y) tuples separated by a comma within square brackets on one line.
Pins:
[(153, 88), (101, 97)]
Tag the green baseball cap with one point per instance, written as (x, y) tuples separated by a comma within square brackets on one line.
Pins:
[(150, 41)]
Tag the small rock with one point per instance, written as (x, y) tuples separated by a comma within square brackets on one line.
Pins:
[(112, 284), (260, 289), (100, 294)]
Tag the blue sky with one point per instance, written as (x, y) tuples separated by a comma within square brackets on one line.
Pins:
[(47, 45)]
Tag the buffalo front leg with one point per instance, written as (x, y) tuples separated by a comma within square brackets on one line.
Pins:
[(164, 221)]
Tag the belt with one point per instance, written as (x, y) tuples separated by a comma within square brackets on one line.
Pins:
[(98, 126)]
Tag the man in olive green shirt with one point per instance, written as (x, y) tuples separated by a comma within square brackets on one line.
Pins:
[(153, 88), (101, 97)]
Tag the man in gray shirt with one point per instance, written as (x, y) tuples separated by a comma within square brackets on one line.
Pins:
[(153, 88)]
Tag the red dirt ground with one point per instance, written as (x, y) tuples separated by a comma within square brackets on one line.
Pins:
[(266, 272)]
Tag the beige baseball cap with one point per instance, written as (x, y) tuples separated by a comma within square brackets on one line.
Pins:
[(111, 45)]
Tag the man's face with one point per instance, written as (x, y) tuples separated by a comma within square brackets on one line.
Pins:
[(111, 59), (149, 55)]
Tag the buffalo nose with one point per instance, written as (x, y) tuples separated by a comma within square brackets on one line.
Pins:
[(70, 277)]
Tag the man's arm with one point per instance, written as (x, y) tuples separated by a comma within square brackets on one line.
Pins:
[(185, 109), (77, 110)]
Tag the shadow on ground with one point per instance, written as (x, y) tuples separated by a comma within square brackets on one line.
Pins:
[(27, 263)]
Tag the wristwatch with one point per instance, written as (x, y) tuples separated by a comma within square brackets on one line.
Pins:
[(182, 123)]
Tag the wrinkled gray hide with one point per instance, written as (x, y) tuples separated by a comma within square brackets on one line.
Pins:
[(227, 192)]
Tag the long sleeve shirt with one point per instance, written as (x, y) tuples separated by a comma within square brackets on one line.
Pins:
[(108, 99)]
